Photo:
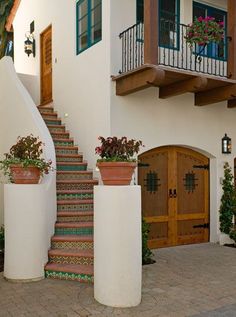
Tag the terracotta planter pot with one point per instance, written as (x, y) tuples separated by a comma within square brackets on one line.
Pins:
[(25, 175), (116, 173)]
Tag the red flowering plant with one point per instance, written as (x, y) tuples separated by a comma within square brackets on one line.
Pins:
[(113, 149), (204, 31)]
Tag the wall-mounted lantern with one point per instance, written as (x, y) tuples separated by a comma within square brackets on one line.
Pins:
[(29, 44), (226, 144)]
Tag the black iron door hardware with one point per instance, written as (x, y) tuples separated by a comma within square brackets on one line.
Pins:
[(172, 193), (202, 225), (143, 164), (204, 167)]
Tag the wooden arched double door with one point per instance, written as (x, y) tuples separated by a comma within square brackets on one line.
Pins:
[(175, 195)]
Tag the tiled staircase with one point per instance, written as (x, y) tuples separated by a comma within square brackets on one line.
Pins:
[(71, 255)]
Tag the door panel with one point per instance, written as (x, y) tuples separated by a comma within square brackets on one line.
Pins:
[(175, 195), (46, 66)]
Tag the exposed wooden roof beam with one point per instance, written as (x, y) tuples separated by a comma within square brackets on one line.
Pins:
[(139, 80), (12, 15), (215, 95), (232, 103), (181, 87)]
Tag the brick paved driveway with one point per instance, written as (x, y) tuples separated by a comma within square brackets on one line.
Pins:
[(197, 280)]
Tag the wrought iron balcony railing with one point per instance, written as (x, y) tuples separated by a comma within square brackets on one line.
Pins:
[(173, 50)]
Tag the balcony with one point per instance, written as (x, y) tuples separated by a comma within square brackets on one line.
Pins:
[(173, 65)]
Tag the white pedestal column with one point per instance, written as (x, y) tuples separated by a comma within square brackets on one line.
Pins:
[(25, 232), (117, 245)]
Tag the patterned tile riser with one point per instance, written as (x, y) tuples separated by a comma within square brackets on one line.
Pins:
[(69, 276), (72, 245), (49, 117), (52, 122), (80, 176), (63, 151), (71, 260), (42, 111), (81, 207), (59, 129), (72, 168), (70, 159), (74, 196), (61, 136), (75, 219), (74, 231), (75, 186), (63, 143)]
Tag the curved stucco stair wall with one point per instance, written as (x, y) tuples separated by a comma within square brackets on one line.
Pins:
[(19, 116)]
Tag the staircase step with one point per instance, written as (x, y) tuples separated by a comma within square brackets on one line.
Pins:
[(74, 176), (74, 216), (72, 242), (72, 272), (80, 228), (72, 256), (60, 135), (72, 166), (51, 122), (73, 158), (49, 116), (75, 205), (74, 184), (56, 128), (45, 109), (63, 142), (74, 194), (66, 150)]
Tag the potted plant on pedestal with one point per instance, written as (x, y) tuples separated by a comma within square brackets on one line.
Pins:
[(117, 162), (24, 163)]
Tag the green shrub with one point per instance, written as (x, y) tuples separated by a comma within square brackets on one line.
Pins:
[(146, 252)]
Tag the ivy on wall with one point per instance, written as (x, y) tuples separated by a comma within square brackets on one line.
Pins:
[(5, 9), (228, 202)]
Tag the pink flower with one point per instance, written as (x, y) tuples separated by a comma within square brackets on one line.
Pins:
[(200, 19)]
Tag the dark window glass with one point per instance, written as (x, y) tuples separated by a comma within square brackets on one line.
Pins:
[(140, 10), (89, 23)]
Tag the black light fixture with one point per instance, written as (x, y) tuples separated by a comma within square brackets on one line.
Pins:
[(226, 144), (29, 44)]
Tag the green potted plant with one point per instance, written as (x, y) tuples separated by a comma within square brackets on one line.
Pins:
[(117, 162), (204, 31), (24, 163)]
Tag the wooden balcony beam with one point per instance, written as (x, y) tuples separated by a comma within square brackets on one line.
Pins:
[(135, 81), (215, 95), (181, 87), (232, 103), (151, 32)]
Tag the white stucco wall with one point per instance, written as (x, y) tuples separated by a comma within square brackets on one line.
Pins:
[(82, 88), (20, 117), (81, 83), (175, 121)]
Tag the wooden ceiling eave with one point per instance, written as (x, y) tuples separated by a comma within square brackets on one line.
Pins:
[(12, 15), (173, 82)]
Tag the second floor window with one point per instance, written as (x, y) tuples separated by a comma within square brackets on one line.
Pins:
[(88, 23), (168, 21)]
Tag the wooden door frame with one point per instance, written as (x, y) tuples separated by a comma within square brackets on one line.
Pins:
[(41, 43), (173, 149)]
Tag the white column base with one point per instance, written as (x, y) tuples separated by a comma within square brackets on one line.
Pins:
[(117, 245), (25, 232)]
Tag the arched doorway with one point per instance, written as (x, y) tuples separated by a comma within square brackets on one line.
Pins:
[(175, 195)]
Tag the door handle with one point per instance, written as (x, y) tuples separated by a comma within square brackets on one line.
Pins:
[(170, 193), (174, 193)]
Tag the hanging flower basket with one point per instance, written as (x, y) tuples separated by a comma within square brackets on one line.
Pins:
[(204, 31)]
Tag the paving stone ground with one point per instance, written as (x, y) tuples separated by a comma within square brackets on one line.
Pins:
[(196, 280)]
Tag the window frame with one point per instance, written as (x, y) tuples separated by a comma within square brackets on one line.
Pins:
[(209, 53), (89, 43)]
